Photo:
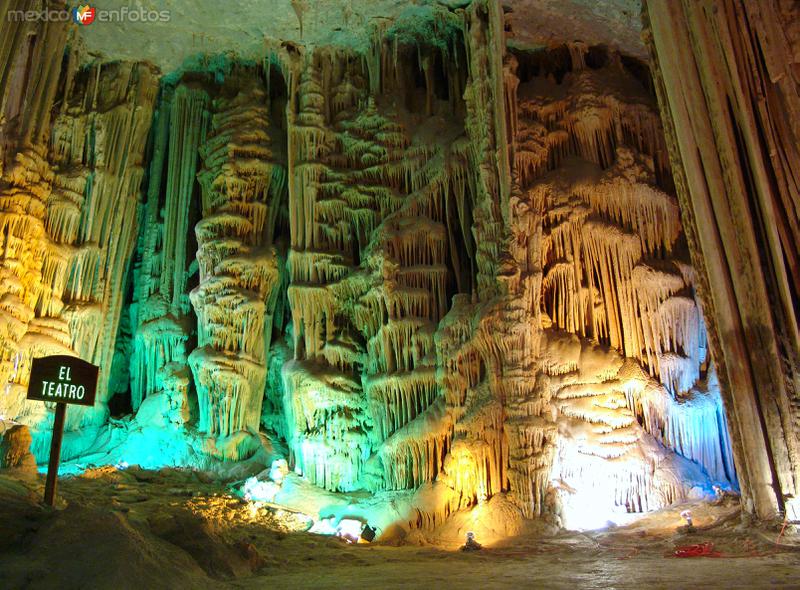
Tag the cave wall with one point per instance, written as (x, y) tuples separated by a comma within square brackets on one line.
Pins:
[(431, 267), (726, 75)]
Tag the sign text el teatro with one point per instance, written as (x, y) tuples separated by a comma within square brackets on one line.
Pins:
[(64, 379)]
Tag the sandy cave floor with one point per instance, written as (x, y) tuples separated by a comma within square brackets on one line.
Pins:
[(169, 529)]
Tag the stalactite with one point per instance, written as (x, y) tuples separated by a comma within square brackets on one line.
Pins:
[(601, 433), (396, 399), (108, 163), (416, 453), (600, 224), (693, 425), (162, 329)]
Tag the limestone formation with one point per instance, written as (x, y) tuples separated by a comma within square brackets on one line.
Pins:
[(432, 264)]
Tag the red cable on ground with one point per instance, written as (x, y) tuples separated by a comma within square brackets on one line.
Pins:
[(699, 550), (783, 528)]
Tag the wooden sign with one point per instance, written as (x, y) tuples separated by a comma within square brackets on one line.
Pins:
[(64, 380)]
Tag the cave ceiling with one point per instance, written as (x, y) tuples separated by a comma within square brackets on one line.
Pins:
[(616, 23), (242, 27)]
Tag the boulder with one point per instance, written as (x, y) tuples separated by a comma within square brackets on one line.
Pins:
[(15, 446)]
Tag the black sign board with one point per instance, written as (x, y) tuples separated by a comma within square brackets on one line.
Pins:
[(64, 379)]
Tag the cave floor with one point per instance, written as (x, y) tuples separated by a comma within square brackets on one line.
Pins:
[(171, 529)]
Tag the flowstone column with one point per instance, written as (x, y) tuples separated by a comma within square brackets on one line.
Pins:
[(323, 400), (375, 213), (30, 65), (99, 141), (240, 181), (487, 343)]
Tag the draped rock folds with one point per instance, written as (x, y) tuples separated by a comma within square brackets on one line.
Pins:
[(726, 78)]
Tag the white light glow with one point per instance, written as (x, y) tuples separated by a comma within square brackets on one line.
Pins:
[(587, 490), (324, 526), (793, 509), (593, 509), (262, 491), (349, 529)]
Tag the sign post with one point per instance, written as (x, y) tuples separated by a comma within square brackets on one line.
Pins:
[(64, 380), (55, 454)]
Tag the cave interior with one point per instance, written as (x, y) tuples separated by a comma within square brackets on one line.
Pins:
[(443, 255)]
